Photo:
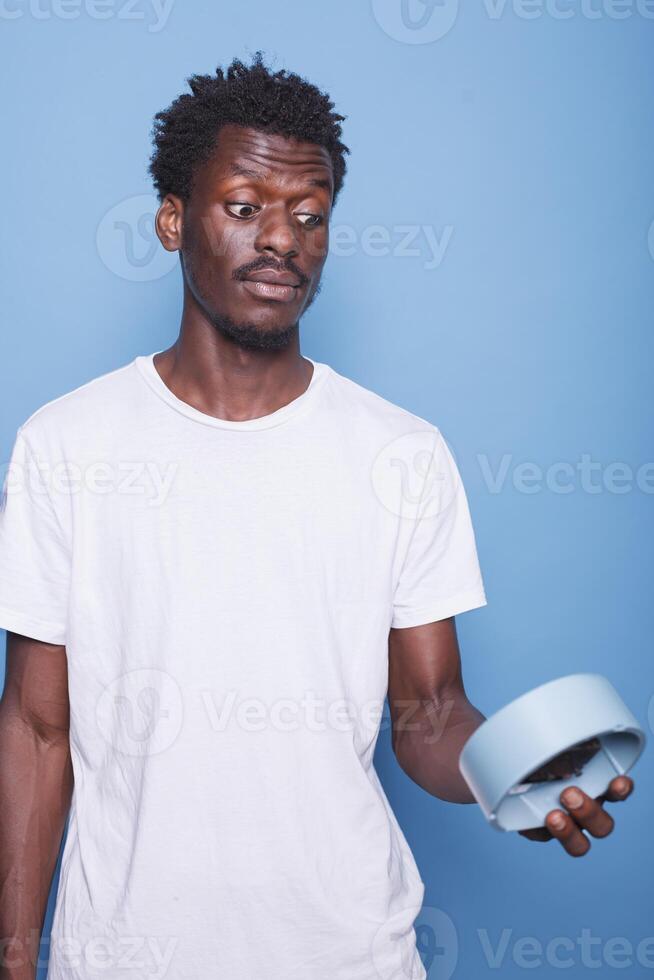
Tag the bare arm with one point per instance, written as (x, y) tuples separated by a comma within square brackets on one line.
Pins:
[(431, 716), (36, 782), (432, 719)]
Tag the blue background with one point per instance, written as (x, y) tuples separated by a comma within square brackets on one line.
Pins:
[(525, 144)]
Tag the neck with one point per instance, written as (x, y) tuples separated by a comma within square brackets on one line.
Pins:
[(218, 376)]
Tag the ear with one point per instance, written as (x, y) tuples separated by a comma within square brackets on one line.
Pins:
[(168, 222)]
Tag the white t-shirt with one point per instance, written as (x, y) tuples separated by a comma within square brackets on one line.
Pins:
[(225, 591)]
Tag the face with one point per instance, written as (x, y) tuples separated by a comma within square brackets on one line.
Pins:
[(254, 234)]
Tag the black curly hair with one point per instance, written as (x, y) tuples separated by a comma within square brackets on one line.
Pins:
[(185, 134)]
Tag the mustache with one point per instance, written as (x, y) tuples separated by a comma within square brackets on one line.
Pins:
[(258, 264)]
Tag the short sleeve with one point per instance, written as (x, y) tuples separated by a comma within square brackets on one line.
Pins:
[(440, 575), (34, 557)]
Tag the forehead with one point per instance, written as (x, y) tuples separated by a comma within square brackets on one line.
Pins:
[(256, 155)]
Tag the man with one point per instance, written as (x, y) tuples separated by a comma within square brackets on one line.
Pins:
[(215, 561)]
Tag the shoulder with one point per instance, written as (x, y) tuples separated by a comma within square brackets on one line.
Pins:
[(367, 409), (82, 412)]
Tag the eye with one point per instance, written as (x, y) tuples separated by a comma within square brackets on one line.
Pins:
[(240, 204), (317, 219)]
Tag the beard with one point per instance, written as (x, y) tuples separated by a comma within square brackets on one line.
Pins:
[(248, 335), (251, 337)]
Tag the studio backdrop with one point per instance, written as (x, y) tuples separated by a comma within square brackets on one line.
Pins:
[(491, 269)]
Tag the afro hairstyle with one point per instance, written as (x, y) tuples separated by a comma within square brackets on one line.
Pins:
[(185, 134)]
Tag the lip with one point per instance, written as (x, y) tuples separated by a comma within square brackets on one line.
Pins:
[(276, 278), (281, 292)]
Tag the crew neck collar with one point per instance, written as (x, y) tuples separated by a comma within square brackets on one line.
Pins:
[(147, 369)]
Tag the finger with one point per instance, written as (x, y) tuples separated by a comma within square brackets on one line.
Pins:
[(536, 833), (567, 832), (587, 812), (619, 789)]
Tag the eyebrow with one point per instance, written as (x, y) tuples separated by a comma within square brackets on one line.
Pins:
[(236, 170)]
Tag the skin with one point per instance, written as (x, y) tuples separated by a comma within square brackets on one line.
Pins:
[(432, 719), (36, 785), (237, 357)]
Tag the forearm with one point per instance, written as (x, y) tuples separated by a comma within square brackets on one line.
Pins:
[(35, 791), (428, 738)]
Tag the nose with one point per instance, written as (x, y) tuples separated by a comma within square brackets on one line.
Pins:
[(277, 234)]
